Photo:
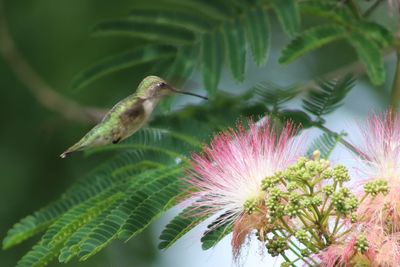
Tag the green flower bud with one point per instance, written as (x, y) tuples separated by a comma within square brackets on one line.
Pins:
[(344, 201), (316, 200), (340, 174), (316, 155), (250, 206), (353, 218), (301, 162), (276, 246), (293, 206), (328, 190), (301, 235), (271, 181), (362, 244), (377, 186), (311, 165), (292, 186), (305, 252), (327, 173)]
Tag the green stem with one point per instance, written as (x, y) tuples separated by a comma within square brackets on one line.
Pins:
[(363, 198), (317, 239), (296, 250), (344, 233), (354, 8), (372, 8), (315, 208), (341, 140), (335, 227), (395, 98)]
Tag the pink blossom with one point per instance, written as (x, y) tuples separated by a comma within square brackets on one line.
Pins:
[(380, 148), (380, 152), (383, 246), (338, 254), (229, 172), (383, 249)]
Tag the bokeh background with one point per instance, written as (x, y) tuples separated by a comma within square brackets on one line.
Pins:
[(53, 36)]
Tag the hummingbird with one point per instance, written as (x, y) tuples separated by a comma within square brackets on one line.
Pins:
[(128, 115)]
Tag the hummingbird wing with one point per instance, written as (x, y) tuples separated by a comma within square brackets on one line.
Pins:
[(131, 119)]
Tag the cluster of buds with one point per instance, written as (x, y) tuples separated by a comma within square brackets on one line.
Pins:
[(310, 203)]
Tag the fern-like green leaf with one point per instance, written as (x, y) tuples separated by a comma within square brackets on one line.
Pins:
[(201, 26), (96, 182), (370, 55), (212, 59), (219, 10), (311, 39), (297, 117), (79, 215), (183, 65), (171, 17), (215, 233), (330, 10), (273, 94), (33, 224), (377, 33), (40, 255), (235, 45), (258, 34), (180, 225), (165, 34), (122, 61), (288, 15), (152, 208), (46, 250), (325, 143), (70, 247), (80, 192), (328, 95), (155, 191)]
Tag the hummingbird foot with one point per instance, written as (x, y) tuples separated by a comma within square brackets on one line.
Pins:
[(116, 141)]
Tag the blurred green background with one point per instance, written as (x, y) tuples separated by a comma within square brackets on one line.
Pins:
[(54, 38)]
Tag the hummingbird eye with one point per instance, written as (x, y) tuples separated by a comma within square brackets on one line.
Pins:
[(161, 84)]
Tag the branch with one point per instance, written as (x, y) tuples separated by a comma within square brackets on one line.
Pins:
[(348, 145), (395, 97), (43, 93), (372, 8)]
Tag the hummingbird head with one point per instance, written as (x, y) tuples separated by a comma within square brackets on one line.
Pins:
[(156, 87)]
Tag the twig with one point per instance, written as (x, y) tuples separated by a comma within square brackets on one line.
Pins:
[(341, 140), (43, 93), (372, 8), (395, 97)]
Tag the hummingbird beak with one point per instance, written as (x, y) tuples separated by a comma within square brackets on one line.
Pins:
[(188, 93)]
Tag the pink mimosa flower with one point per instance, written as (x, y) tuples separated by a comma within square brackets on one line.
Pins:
[(338, 254), (229, 172), (383, 249), (381, 157)]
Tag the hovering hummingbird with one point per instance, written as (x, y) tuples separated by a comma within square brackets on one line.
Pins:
[(128, 115)]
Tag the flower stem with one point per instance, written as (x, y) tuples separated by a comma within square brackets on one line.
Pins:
[(372, 8), (395, 97), (341, 140), (296, 250)]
